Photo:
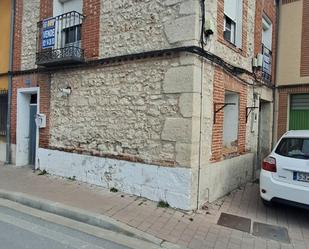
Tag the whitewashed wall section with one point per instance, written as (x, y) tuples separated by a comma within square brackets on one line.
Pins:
[(156, 183)]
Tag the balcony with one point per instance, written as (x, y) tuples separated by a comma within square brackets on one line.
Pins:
[(59, 40), (267, 64)]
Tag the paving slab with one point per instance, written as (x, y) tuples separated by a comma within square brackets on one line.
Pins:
[(271, 232), (235, 222)]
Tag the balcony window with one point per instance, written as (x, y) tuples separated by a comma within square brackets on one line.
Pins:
[(72, 36), (266, 49), (267, 64), (59, 40)]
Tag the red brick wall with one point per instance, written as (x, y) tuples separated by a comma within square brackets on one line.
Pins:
[(268, 8), (220, 27), (224, 82), (283, 101), (91, 28), (17, 34), (37, 80), (304, 65), (46, 9), (44, 84)]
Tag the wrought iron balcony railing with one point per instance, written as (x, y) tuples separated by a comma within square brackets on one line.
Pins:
[(267, 64), (59, 40)]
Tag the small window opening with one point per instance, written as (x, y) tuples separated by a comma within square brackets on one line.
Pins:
[(33, 99), (230, 124), (229, 29)]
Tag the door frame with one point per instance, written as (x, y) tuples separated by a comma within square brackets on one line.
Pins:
[(22, 118)]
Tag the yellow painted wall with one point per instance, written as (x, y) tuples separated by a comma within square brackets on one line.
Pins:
[(290, 33), (5, 20)]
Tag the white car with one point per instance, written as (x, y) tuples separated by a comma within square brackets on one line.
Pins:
[(285, 172)]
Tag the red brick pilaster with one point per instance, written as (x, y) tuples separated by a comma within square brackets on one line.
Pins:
[(17, 35), (46, 9), (217, 130), (91, 28), (44, 84), (269, 9)]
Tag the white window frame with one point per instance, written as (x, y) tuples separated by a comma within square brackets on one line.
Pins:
[(232, 30)]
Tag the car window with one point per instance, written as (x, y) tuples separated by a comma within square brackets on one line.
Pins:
[(294, 147)]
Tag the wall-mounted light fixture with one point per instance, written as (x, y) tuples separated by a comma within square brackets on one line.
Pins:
[(208, 30), (66, 91)]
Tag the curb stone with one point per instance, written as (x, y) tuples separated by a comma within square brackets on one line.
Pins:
[(77, 214)]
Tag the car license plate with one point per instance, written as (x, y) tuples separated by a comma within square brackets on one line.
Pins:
[(301, 176)]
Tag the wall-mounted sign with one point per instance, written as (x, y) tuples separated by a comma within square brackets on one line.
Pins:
[(48, 33)]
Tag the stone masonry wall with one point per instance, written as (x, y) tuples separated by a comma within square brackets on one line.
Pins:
[(132, 26), (31, 15), (137, 111)]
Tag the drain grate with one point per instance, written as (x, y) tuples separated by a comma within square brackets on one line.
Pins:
[(271, 232), (235, 222)]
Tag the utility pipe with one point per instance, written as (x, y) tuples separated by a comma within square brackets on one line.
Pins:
[(10, 79), (275, 109)]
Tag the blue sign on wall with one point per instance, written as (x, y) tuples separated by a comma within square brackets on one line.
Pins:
[(48, 33)]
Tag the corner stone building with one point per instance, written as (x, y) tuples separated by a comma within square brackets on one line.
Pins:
[(155, 98)]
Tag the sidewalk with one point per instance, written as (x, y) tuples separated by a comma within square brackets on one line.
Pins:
[(194, 230)]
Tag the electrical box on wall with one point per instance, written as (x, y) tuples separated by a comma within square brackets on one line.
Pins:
[(254, 62), (259, 60), (40, 120)]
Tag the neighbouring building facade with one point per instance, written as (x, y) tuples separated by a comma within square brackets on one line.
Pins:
[(170, 100), (292, 89), (5, 31)]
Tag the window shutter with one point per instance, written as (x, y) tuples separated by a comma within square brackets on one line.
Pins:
[(230, 9), (238, 40), (300, 102), (70, 5), (267, 33)]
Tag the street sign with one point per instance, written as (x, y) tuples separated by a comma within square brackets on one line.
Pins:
[(48, 33)]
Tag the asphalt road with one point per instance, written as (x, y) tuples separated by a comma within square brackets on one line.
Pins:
[(22, 231)]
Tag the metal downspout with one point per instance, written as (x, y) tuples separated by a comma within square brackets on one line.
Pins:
[(10, 79), (202, 2), (278, 2)]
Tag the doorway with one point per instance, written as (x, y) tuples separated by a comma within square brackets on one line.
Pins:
[(27, 133), (32, 129)]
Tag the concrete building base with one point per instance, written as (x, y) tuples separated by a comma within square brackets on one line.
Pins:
[(218, 179), (156, 183)]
